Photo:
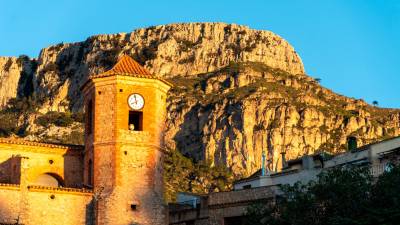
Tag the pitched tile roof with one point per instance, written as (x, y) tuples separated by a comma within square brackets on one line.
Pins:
[(128, 67), (20, 141)]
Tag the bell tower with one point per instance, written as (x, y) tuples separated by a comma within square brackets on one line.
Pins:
[(125, 118)]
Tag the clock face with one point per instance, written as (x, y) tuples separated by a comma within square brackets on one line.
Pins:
[(136, 101)]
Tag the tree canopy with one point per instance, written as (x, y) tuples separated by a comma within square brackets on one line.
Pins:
[(181, 174), (339, 196)]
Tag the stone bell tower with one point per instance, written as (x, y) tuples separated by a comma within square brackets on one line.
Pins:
[(126, 109)]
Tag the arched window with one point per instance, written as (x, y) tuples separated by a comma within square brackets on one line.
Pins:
[(351, 143), (48, 179), (90, 172)]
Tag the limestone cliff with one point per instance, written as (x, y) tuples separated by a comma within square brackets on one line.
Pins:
[(238, 91), (15, 77), (231, 115)]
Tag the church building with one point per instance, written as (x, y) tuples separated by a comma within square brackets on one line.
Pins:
[(115, 178)]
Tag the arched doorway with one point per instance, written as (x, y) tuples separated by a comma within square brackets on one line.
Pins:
[(49, 180)]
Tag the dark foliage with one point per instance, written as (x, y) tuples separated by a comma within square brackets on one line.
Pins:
[(9, 116), (50, 67), (148, 52), (189, 59), (108, 58), (386, 198), (61, 119), (338, 196), (22, 59), (8, 124), (23, 105), (181, 174)]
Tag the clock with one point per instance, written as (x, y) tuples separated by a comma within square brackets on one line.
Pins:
[(136, 101)]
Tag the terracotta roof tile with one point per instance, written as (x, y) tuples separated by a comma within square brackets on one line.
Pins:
[(128, 67), (19, 141)]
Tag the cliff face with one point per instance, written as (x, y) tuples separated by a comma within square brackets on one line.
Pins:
[(238, 91), (230, 116), (176, 49), (15, 77)]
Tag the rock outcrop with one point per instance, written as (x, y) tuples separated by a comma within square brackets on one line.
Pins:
[(238, 91), (15, 78), (232, 115)]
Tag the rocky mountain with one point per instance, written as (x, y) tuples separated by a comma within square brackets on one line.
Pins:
[(238, 91)]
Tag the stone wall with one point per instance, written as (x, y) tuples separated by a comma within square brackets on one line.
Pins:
[(219, 207), (127, 164), (247, 195), (63, 162), (233, 204), (9, 203), (45, 206), (21, 162)]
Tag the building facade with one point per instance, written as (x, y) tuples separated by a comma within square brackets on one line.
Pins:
[(116, 178), (228, 208)]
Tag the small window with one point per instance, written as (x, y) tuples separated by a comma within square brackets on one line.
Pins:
[(89, 117), (247, 186), (135, 121)]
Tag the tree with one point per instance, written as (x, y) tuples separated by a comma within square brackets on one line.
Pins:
[(338, 196), (375, 103), (181, 174), (318, 80), (386, 198), (8, 124), (177, 169)]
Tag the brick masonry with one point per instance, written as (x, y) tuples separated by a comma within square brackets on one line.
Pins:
[(122, 168), (127, 164)]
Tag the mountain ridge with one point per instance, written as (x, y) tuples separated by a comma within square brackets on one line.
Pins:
[(238, 91)]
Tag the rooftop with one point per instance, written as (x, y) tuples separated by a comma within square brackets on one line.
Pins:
[(127, 66), (20, 141)]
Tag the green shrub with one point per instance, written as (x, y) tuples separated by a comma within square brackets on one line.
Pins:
[(56, 47), (76, 137), (189, 59), (78, 117), (181, 174), (22, 105), (108, 58), (186, 45), (8, 124), (21, 59), (340, 195), (60, 119)]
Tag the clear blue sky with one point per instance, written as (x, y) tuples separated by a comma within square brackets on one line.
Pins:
[(352, 45)]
